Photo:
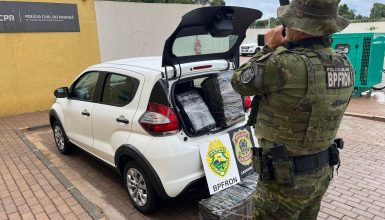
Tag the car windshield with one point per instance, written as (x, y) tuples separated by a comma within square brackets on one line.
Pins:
[(203, 44)]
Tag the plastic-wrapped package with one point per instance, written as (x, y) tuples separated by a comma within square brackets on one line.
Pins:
[(233, 203), (225, 104), (196, 110)]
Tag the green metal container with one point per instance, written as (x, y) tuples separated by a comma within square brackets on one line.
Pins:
[(366, 52)]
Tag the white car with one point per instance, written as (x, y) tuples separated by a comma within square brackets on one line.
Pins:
[(250, 47), (124, 112)]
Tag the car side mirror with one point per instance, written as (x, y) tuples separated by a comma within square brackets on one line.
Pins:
[(61, 92)]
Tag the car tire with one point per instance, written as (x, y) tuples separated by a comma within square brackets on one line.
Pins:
[(257, 50), (139, 188), (61, 140), (242, 54)]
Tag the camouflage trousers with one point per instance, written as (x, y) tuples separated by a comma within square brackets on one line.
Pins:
[(300, 201)]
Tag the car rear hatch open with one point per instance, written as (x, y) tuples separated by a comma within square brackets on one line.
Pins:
[(197, 58), (208, 33)]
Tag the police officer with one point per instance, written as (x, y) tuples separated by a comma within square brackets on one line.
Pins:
[(305, 87)]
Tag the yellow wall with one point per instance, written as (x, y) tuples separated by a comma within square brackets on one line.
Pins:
[(33, 65)]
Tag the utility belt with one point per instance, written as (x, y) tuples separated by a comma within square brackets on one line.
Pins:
[(275, 164)]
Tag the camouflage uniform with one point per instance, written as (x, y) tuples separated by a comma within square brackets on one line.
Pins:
[(302, 104)]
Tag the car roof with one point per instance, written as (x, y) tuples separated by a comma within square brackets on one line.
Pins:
[(152, 63)]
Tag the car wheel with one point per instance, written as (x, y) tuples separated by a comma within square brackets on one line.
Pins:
[(257, 50), (61, 140), (242, 54), (139, 188)]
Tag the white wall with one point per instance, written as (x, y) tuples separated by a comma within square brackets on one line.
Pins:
[(128, 29), (378, 27)]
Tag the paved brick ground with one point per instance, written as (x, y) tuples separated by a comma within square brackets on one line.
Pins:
[(28, 190), (357, 191), (371, 103), (104, 187)]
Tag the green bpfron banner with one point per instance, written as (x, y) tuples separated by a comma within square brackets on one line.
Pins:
[(219, 163)]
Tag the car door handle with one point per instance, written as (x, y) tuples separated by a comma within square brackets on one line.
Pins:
[(122, 119), (86, 113)]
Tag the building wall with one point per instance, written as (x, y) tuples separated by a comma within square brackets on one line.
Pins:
[(377, 27), (32, 65), (128, 29)]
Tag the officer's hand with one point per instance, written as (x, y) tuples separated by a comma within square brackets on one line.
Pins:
[(274, 38)]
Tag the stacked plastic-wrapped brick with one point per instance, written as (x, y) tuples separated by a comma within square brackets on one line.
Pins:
[(196, 110), (233, 203), (225, 104)]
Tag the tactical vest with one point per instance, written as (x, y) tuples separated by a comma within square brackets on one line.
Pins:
[(310, 125)]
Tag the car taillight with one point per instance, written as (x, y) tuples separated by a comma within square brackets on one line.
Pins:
[(159, 119), (247, 101)]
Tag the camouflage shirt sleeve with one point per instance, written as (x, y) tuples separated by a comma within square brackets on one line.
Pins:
[(264, 73)]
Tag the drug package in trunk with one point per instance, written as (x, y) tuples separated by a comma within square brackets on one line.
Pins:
[(195, 109), (224, 102)]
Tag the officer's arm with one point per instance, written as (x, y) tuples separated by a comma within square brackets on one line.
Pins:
[(261, 75)]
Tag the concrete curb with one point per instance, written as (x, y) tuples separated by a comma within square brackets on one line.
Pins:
[(82, 200), (33, 128), (366, 116)]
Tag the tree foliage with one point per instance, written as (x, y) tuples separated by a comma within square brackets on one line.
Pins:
[(378, 11), (217, 3), (346, 12), (268, 23), (201, 2), (160, 1)]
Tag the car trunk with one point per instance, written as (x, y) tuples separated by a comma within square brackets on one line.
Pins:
[(207, 103), (198, 58)]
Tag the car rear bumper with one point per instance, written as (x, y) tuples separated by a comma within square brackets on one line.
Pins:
[(177, 162), (249, 51)]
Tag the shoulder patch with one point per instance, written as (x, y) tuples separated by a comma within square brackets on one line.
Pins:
[(339, 76), (247, 76)]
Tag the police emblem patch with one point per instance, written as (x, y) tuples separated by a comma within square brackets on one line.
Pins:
[(242, 143), (339, 77), (218, 158), (247, 76)]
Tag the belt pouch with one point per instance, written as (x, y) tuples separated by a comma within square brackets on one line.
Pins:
[(334, 155), (283, 172), (257, 154)]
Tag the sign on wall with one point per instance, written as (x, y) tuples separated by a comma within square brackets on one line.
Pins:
[(219, 163), (38, 17)]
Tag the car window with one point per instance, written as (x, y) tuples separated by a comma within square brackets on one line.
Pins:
[(158, 94), (202, 45), (119, 90), (85, 87)]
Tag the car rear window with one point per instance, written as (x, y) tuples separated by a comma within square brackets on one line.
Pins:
[(203, 44), (119, 90)]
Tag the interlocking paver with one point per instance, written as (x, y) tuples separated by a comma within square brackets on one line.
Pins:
[(29, 190), (25, 182)]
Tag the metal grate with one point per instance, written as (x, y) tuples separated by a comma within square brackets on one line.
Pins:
[(365, 60)]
